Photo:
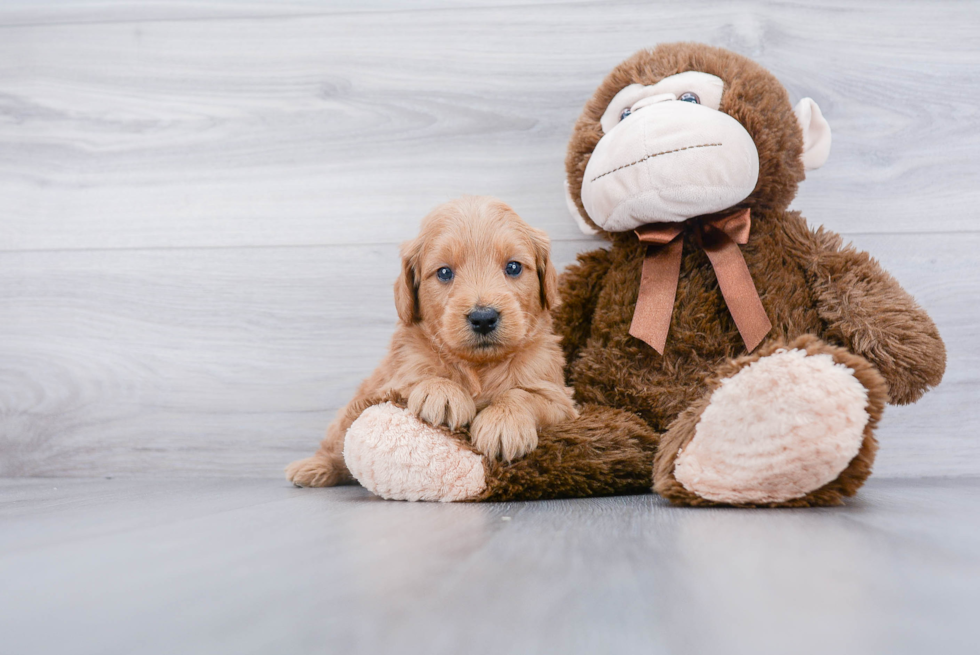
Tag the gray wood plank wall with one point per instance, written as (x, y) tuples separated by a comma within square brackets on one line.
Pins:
[(200, 204)]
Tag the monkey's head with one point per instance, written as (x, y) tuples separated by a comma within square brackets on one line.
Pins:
[(685, 130)]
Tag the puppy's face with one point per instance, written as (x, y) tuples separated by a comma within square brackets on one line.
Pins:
[(478, 279)]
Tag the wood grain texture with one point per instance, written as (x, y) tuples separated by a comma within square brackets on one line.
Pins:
[(246, 566), (200, 203), (324, 129)]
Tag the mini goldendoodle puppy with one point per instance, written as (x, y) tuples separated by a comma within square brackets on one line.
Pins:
[(474, 344)]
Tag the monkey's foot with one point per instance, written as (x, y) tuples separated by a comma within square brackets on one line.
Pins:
[(790, 426), (395, 455)]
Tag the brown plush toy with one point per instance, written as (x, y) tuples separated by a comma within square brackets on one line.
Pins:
[(720, 347)]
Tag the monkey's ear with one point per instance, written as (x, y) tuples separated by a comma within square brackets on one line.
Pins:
[(407, 284), (547, 275), (816, 134)]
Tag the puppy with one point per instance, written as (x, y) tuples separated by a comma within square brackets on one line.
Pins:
[(474, 344)]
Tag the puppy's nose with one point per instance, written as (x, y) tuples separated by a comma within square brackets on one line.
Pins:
[(483, 320)]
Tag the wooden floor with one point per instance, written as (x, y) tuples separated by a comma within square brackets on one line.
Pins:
[(253, 566)]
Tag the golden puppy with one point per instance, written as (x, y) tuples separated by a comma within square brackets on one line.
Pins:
[(474, 344)]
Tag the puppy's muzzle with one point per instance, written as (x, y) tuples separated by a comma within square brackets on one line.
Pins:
[(484, 320)]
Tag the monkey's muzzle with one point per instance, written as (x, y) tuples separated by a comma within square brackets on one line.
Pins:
[(668, 162)]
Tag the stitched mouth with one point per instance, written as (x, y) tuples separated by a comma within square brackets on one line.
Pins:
[(656, 154)]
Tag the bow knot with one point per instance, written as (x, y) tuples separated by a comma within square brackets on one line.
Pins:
[(719, 237)]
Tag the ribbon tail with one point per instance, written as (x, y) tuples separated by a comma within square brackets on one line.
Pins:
[(658, 288), (738, 289)]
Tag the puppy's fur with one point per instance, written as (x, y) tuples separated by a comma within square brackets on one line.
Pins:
[(506, 384)]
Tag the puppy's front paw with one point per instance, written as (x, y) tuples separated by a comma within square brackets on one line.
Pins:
[(439, 401), (505, 431)]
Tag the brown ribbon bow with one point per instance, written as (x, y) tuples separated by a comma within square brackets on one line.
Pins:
[(719, 237)]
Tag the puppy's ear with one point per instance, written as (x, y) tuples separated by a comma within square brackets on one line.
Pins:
[(547, 275), (407, 284)]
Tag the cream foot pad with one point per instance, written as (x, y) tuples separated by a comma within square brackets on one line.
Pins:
[(397, 456), (778, 429)]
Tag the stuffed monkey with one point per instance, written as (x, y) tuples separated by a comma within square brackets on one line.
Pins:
[(720, 349)]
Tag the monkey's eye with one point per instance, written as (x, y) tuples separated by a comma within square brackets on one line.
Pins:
[(690, 97), (513, 269), (445, 274), (626, 112)]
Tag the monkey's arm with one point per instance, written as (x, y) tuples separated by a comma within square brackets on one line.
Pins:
[(867, 310), (579, 287)]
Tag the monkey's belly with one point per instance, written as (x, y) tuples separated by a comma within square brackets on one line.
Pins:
[(654, 387), (618, 370)]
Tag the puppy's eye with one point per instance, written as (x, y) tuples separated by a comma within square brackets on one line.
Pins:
[(445, 274), (626, 112), (513, 269), (689, 97)]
